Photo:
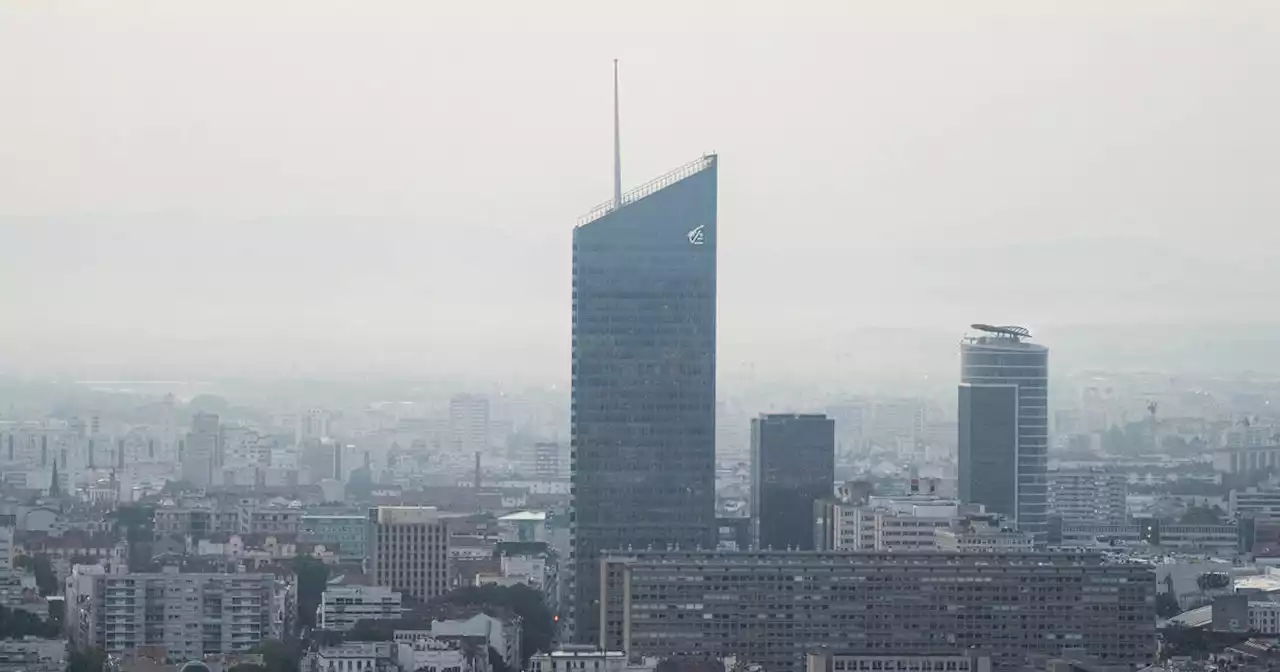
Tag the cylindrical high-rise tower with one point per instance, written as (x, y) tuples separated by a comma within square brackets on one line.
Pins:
[(1004, 425)]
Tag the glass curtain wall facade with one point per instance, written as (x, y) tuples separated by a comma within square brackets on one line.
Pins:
[(643, 392), (994, 359), (792, 466)]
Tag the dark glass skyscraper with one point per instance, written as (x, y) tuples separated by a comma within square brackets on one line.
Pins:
[(793, 465), (1004, 426), (643, 394)]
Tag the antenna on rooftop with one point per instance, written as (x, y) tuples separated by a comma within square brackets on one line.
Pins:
[(617, 143)]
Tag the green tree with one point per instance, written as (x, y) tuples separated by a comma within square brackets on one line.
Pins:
[(91, 660), (538, 624), (19, 623), (373, 631), (1213, 581), (1200, 515), (1197, 642), (136, 523), (278, 656), (1167, 605), (313, 577), (496, 663), (39, 565)]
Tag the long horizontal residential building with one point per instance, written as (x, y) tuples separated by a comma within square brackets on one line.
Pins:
[(770, 607), (189, 615), (1203, 538)]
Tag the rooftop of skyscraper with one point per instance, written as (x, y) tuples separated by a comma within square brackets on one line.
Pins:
[(656, 184)]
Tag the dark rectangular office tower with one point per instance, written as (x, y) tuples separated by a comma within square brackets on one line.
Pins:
[(643, 395), (988, 452), (792, 466), (1002, 357)]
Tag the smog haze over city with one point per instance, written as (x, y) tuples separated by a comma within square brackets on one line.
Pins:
[(326, 189), (702, 336)]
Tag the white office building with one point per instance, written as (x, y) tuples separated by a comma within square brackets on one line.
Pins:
[(341, 607), (884, 523)]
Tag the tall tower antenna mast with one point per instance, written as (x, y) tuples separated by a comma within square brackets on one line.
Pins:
[(617, 143)]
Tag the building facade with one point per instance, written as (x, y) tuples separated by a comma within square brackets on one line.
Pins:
[(469, 424), (341, 607), (202, 451), (547, 464), (354, 657), (792, 467), (883, 523), (31, 654), (1004, 379), (643, 397), (1256, 503), (1088, 496), (409, 550), (343, 534), (977, 536), (1222, 539), (839, 660), (190, 615), (770, 607)]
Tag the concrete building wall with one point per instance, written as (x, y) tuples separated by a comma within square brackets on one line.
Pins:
[(770, 607)]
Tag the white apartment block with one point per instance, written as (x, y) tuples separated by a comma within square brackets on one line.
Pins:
[(1088, 496), (575, 660), (341, 607), (885, 523), (1254, 503), (190, 615)]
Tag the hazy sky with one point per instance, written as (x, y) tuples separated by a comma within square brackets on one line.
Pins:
[(391, 186)]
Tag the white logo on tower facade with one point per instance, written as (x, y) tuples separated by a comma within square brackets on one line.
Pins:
[(696, 236)]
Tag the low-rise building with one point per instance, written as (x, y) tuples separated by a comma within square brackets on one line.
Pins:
[(502, 632), (578, 659), (341, 607), (352, 657), (1220, 539), (31, 654), (839, 660), (982, 536), (438, 654), (345, 534)]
